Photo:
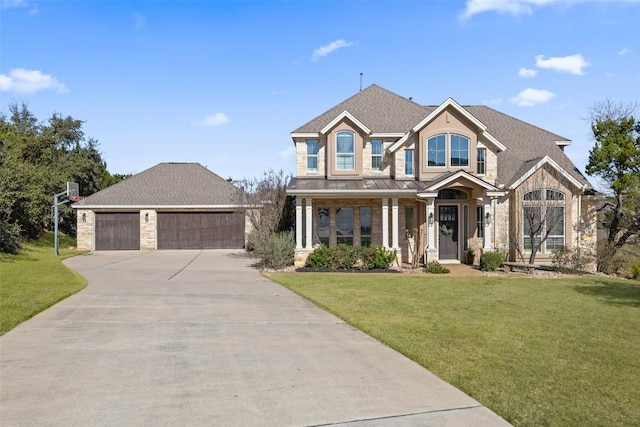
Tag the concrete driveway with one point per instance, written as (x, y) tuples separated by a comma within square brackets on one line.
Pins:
[(199, 338)]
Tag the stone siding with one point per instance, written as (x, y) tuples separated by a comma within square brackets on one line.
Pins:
[(148, 229), (85, 220)]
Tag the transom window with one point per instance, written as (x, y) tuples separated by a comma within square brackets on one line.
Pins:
[(345, 150), (452, 194), (437, 151), (312, 154), (376, 154)]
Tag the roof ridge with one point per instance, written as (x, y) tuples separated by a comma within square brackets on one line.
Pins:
[(519, 120)]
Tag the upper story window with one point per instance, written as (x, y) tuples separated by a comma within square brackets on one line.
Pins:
[(345, 150), (312, 154), (376, 155), (459, 150), (437, 151), (481, 159), (408, 162)]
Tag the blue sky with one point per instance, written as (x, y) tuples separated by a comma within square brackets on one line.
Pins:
[(224, 83)]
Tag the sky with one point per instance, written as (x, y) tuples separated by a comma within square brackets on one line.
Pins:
[(224, 83)]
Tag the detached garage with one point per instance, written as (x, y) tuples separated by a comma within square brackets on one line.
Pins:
[(169, 206)]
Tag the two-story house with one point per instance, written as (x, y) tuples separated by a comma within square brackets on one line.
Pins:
[(432, 181)]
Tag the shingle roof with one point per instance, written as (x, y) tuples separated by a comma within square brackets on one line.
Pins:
[(167, 184), (306, 185), (383, 111)]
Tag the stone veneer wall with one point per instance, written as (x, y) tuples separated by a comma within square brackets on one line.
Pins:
[(588, 231), (148, 229), (85, 229)]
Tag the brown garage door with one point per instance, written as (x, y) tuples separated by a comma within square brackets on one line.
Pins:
[(200, 230), (117, 231)]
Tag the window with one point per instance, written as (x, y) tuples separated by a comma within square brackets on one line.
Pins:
[(543, 217), (481, 161), (408, 222), (323, 226), (408, 162), (437, 151), (345, 150), (465, 226), (344, 226), (480, 221), (459, 150), (452, 194), (365, 226), (376, 155), (312, 155)]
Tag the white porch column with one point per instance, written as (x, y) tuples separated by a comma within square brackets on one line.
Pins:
[(394, 223), (385, 222), (298, 223), (431, 219), (309, 218), (487, 222)]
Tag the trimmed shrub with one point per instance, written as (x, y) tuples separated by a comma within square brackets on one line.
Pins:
[(635, 270), (490, 261), (9, 238), (274, 251), (435, 267), (345, 257)]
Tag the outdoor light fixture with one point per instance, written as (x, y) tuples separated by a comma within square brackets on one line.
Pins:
[(84, 217), (146, 217), (430, 218), (488, 216)]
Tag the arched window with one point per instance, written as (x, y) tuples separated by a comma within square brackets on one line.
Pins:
[(437, 151), (543, 215), (345, 150), (452, 194), (459, 150)]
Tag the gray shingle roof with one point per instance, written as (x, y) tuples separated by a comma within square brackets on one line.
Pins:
[(167, 184), (383, 111)]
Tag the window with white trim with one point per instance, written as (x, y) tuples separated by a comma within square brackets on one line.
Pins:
[(345, 150), (312, 154), (459, 150), (376, 155), (543, 214), (437, 151), (408, 162)]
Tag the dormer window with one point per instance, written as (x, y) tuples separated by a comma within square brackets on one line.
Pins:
[(345, 150), (312, 155)]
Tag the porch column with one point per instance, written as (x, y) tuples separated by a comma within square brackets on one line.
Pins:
[(394, 223), (385, 222), (488, 218), (298, 223), (431, 219), (309, 218)]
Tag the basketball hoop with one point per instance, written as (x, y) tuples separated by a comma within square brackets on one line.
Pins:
[(76, 198)]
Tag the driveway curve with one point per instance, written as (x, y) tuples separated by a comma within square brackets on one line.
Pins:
[(200, 338)]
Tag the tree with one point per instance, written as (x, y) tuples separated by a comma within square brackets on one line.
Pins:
[(615, 157), (36, 161)]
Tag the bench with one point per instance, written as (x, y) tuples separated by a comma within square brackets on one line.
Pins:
[(513, 266)]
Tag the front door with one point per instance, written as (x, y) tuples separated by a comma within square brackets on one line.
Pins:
[(448, 232)]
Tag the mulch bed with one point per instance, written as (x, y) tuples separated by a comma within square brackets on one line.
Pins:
[(352, 270)]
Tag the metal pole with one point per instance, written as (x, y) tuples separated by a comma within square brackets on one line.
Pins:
[(55, 224)]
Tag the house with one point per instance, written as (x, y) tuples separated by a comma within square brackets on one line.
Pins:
[(432, 181), (168, 206)]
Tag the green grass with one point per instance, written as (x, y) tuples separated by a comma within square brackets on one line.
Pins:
[(537, 352), (35, 279)]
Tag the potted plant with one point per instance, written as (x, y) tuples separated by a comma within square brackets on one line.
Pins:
[(470, 255)]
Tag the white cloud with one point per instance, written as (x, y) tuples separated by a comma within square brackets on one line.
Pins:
[(527, 72), (288, 152), (625, 51), (530, 97), (573, 64), (520, 7), (139, 21), (494, 101), (217, 119), (29, 81), (327, 49), (9, 4)]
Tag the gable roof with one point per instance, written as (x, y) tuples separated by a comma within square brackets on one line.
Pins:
[(378, 109), (166, 184), (441, 182)]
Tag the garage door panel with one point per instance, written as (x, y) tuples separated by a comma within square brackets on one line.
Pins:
[(117, 231), (200, 230)]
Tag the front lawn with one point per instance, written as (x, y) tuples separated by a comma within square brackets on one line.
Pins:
[(35, 279), (537, 352)]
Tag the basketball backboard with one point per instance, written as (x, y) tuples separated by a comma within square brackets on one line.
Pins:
[(73, 189)]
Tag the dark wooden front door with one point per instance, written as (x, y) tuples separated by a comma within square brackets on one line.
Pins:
[(200, 230), (448, 232), (117, 231)]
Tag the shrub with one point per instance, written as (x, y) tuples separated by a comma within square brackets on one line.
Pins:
[(344, 257), (490, 261), (435, 267), (571, 259), (275, 250), (635, 270), (9, 238)]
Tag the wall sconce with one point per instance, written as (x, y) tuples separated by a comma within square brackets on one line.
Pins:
[(430, 218), (487, 217), (146, 217), (84, 217)]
